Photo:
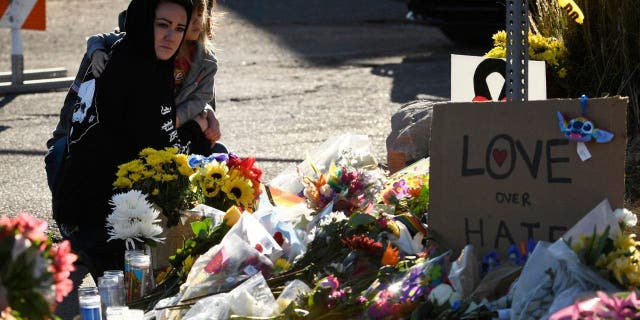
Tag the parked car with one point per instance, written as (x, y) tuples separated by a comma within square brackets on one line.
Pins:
[(462, 21)]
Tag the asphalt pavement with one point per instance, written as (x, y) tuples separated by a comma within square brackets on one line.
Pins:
[(291, 74)]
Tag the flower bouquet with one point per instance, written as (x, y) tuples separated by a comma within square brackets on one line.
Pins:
[(408, 193), (352, 187), (34, 273), (222, 181), (163, 175)]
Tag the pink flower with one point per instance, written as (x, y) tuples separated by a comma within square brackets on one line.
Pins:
[(62, 267), (602, 307), (30, 227)]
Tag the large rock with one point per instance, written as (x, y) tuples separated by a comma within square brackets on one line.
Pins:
[(410, 134)]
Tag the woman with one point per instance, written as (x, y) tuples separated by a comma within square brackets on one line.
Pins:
[(194, 93), (195, 67), (130, 107)]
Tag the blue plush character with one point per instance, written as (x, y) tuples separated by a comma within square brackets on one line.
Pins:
[(581, 129)]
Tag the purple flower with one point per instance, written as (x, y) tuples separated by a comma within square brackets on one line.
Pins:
[(330, 282), (400, 189), (197, 160)]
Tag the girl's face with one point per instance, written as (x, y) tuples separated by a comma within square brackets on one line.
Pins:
[(196, 25), (168, 28)]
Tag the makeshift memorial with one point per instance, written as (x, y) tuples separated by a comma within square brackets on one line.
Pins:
[(162, 175), (494, 182), (223, 181), (34, 273)]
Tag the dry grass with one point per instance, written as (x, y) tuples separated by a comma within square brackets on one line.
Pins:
[(604, 61)]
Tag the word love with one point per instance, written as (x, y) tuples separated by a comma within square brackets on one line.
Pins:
[(514, 151)]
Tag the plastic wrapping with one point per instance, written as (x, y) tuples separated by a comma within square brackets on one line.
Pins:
[(464, 272), (552, 277), (223, 266), (253, 298), (291, 293), (210, 308), (321, 157), (599, 218)]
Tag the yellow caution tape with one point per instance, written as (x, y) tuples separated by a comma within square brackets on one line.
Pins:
[(572, 10)]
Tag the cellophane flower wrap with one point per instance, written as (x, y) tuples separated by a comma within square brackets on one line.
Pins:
[(350, 183), (163, 175), (34, 273), (408, 192), (225, 180)]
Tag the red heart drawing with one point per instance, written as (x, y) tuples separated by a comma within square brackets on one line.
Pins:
[(499, 155)]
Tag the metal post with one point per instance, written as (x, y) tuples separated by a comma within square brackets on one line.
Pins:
[(17, 60), (517, 50)]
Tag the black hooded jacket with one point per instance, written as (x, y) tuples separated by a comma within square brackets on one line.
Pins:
[(132, 109)]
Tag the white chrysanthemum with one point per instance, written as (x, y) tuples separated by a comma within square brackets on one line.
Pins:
[(133, 217), (336, 216), (626, 216)]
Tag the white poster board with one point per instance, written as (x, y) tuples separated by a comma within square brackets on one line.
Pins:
[(464, 69)]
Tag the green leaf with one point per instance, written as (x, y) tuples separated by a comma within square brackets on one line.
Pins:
[(201, 226), (360, 219)]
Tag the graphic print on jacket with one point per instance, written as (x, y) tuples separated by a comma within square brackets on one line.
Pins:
[(85, 113)]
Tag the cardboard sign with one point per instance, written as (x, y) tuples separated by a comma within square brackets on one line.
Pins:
[(502, 173), (478, 76), (23, 14)]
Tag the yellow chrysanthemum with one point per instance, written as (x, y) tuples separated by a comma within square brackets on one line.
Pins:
[(123, 182), (135, 177), (500, 38), (281, 265), (155, 192), (183, 166), (239, 190)]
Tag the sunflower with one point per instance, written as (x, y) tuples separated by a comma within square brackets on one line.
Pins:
[(216, 170), (210, 188), (239, 190)]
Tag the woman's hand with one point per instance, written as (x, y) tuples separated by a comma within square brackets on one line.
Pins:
[(202, 121), (213, 126), (99, 60)]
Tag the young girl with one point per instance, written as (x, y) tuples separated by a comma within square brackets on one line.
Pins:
[(130, 107)]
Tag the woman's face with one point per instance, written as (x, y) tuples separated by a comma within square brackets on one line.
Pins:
[(168, 28), (196, 25)]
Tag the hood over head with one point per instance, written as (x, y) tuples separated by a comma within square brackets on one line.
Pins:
[(139, 23)]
